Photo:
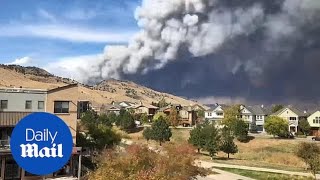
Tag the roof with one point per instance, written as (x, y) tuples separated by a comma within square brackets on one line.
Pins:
[(257, 110), (62, 88), (147, 106), (214, 106), (293, 109)]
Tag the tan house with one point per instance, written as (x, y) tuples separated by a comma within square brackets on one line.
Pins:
[(187, 116), (314, 121), (18, 103), (292, 115), (148, 109)]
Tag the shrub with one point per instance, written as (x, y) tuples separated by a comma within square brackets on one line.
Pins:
[(276, 126)]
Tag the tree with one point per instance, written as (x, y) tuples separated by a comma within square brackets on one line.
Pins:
[(147, 133), (160, 131), (126, 121), (98, 134), (173, 117), (304, 126), (162, 103), (158, 115), (240, 130), (231, 115), (197, 138), (276, 108), (139, 162), (276, 126), (310, 154), (200, 113), (212, 138), (227, 145), (112, 117), (144, 118)]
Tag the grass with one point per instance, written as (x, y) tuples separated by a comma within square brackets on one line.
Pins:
[(264, 175), (260, 152)]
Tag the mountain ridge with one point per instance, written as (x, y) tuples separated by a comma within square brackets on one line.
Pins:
[(103, 92)]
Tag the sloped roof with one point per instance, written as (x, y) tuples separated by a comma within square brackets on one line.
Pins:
[(293, 109), (214, 106), (257, 110)]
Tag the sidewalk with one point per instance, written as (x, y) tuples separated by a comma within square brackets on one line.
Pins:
[(223, 175), (206, 164)]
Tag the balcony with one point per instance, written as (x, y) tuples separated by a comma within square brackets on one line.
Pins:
[(5, 144), (10, 119)]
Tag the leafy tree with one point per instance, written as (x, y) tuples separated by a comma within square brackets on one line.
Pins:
[(197, 138), (139, 162), (304, 126), (162, 103), (158, 115), (231, 115), (200, 113), (276, 108), (160, 131), (276, 126), (227, 144), (104, 119), (98, 133), (144, 118), (120, 117), (147, 133), (310, 154), (173, 117)]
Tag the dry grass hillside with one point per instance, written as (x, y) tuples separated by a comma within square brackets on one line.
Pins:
[(102, 93)]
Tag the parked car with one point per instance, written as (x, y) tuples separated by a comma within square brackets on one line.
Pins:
[(316, 138), (288, 135)]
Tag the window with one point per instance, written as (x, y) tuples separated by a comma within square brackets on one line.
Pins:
[(3, 104), (209, 114), (61, 107), (28, 104), (40, 104), (293, 118), (219, 114)]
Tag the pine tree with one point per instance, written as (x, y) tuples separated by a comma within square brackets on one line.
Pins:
[(227, 144), (160, 131), (196, 137)]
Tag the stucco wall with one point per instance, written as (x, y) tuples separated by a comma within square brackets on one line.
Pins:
[(65, 94)]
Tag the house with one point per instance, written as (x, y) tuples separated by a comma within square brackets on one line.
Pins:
[(187, 116), (216, 112), (123, 104), (110, 108), (16, 103), (292, 115), (144, 108), (247, 114), (258, 115), (314, 121)]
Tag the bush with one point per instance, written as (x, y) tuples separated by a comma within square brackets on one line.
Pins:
[(254, 128), (139, 162), (309, 153)]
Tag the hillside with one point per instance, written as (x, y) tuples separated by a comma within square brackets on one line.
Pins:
[(103, 93)]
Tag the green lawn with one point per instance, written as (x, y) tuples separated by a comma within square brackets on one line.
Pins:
[(264, 175)]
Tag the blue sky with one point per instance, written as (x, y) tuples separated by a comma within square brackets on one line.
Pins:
[(37, 32)]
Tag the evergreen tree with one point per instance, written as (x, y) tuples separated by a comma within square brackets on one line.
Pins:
[(227, 144), (147, 133), (197, 138), (160, 131), (212, 139), (173, 117), (304, 126)]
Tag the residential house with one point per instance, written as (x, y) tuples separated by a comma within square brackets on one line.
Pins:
[(216, 112), (292, 115), (314, 121), (16, 103), (110, 108), (259, 115), (144, 108), (187, 116), (123, 104), (247, 114)]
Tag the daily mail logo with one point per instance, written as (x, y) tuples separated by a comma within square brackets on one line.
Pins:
[(41, 143)]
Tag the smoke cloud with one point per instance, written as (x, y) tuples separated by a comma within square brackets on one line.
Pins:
[(255, 49)]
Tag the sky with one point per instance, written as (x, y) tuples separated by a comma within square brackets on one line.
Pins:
[(257, 51), (39, 32)]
